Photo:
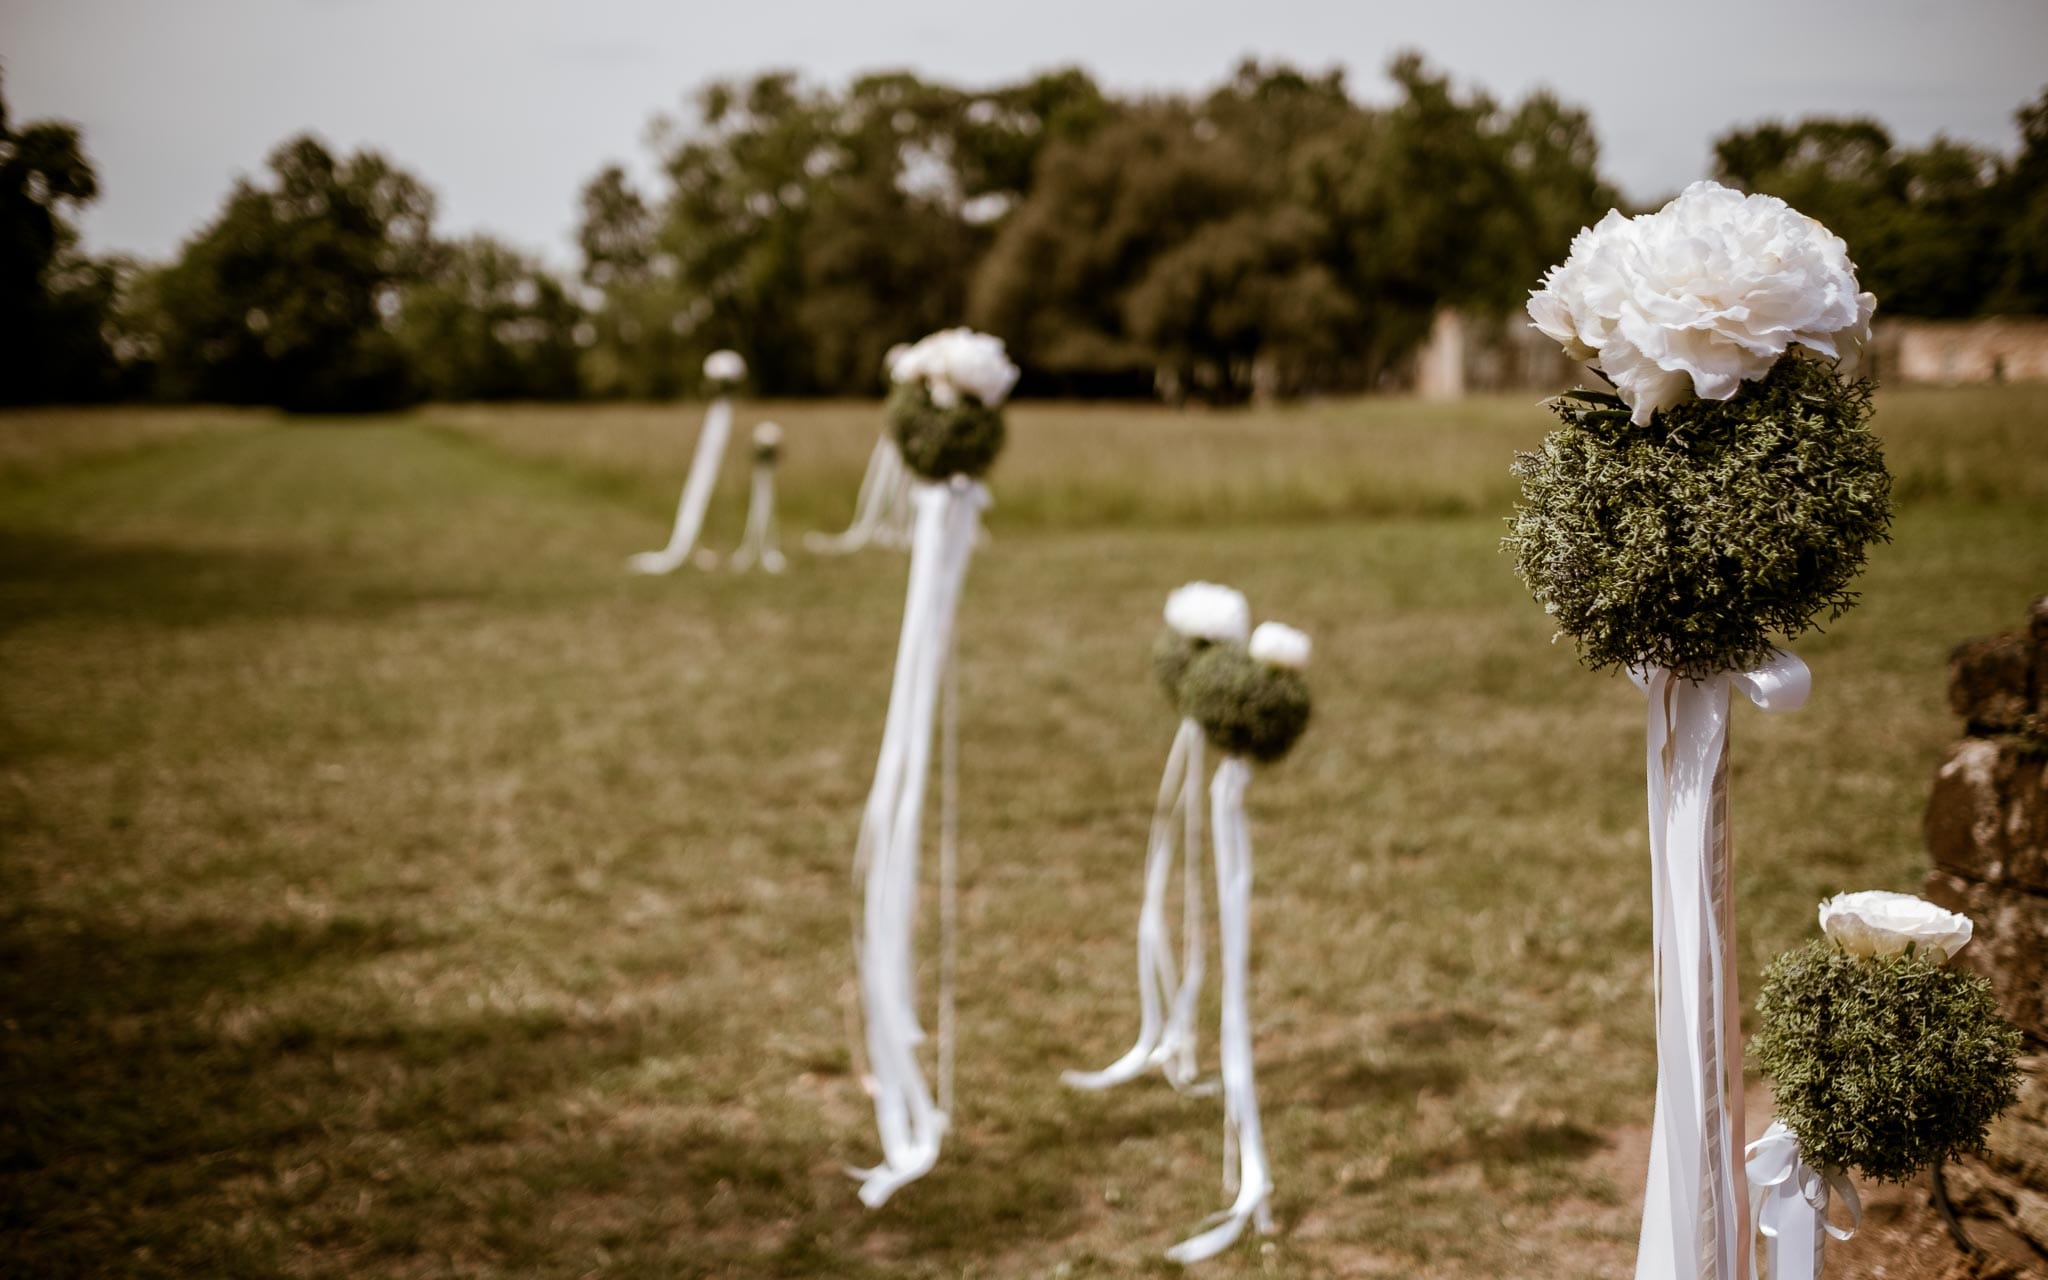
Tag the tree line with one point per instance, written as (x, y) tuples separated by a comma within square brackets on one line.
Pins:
[(1271, 236)]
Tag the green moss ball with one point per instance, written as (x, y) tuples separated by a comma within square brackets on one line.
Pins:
[(941, 443), (1688, 543), (1883, 1066), (1171, 654), (1244, 706)]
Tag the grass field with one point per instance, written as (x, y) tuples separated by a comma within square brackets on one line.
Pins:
[(394, 886)]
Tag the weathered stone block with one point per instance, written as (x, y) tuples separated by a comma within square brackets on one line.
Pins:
[(1991, 683), (2023, 790), (1965, 826), (2010, 945), (2037, 630), (1987, 815)]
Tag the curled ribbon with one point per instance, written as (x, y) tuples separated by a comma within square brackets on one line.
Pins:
[(1246, 1170), (881, 513), (912, 1120), (696, 494), (1693, 1208), (1788, 1199), (1167, 996)]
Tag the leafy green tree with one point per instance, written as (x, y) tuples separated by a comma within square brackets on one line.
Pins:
[(490, 323), (52, 299), (291, 296), (1921, 225), (2021, 200)]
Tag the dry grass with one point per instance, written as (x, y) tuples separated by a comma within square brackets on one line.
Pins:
[(395, 887)]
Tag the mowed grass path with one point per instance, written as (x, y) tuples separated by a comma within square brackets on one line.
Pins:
[(393, 886)]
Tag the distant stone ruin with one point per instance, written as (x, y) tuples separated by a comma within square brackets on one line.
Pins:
[(1987, 829)]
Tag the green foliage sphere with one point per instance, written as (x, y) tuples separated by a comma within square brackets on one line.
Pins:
[(1687, 543), (1171, 654), (1883, 1066), (1244, 706), (939, 443)]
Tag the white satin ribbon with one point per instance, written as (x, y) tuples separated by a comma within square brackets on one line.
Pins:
[(1788, 1198), (760, 543), (1694, 1213), (881, 513), (910, 1120), (1245, 1168), (696, 494), (1167, 997)]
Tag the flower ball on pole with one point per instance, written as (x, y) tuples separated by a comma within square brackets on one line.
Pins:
[(723, 372), (948, 400), (1252, 704), (1881, 1060), (1720, 497), (1198, 616)]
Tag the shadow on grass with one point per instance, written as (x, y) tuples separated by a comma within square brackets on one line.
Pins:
[(46, 575)]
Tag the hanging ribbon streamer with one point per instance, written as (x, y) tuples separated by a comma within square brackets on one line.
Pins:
[(760, 543), (910, 1120), (1167, 997), (696, 494), (1695, 1225), (1245, 1168), (881, 514), (1789, 1198)]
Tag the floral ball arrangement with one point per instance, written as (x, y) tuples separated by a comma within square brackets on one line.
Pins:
[(1728, 487), (1250, 699), (767, 443), (724, 370), (1880, 1058), (1198, 616), (945, 410)]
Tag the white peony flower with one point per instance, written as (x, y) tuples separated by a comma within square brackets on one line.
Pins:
[(1875, 923), (1702, 295), (725, 366), (1278, 645), (953, 362), (767, 435), (1208, 611)]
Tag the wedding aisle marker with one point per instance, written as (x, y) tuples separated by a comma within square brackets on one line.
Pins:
[(1198, 615), (1723, 493), (761, 544), (881, 511), (1880, 1060), (723, 370), (1252, 704), (946, 415)]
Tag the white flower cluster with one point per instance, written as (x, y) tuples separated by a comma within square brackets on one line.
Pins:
[(1875, 923), (725, 366), (956, 362), (1209, 611), (767, 435), (1702, 295), (1278, 645)]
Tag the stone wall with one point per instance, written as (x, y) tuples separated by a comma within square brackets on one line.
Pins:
[(1987, 829), (1946, 352)]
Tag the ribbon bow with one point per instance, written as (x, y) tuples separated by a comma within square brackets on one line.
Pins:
[(1788, 1199)]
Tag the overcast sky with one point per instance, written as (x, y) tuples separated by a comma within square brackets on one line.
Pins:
[(507, 106)]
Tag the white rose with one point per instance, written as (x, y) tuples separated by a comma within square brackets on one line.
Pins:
[(1702, 295), (724, 366), (767, 435), (1875, 923), (1278, 645), (1208, 611), (956, 362)]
